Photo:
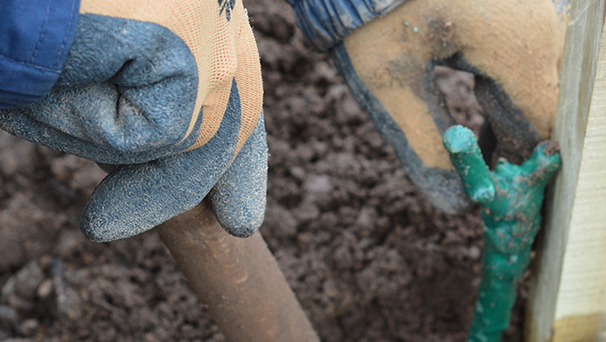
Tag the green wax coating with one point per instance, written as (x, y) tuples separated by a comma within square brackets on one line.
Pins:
[(511, 198), (467, 159)]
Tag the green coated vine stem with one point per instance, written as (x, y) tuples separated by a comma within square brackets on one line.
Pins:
[(510, 197)]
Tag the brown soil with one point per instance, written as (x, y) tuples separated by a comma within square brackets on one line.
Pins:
[(368, 257)]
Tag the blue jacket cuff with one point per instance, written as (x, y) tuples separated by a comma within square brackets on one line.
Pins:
[(328, 22), (35, 37)]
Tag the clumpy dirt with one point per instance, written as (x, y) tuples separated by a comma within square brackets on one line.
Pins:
[(366, 254)]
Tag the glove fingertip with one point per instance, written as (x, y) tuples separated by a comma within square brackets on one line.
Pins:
[(237, 218), (239, 197), (94, 230), (118, 209), (98, 225)]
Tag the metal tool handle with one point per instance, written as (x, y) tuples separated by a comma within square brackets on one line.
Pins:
[(239, 279)]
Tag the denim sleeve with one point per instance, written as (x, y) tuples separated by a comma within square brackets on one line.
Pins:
[(35, 37), (328, 22)]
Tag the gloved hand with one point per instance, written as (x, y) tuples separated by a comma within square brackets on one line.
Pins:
[(387, 49), (171, 91)]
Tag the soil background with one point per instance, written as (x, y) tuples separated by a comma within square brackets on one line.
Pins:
[(366, 254)]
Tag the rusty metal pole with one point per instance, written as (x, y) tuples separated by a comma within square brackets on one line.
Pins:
[(239, 279)]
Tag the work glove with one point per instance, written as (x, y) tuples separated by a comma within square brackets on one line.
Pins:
[(169, 93), (386, 51)]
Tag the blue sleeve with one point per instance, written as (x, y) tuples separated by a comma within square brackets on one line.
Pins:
[(328, 22), (35, 37)]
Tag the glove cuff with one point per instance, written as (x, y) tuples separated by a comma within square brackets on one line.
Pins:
[(328, 22)]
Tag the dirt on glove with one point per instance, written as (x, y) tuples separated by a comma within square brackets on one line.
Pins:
[(366, 254)]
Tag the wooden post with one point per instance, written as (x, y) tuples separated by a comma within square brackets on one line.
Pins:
[(567, 300)]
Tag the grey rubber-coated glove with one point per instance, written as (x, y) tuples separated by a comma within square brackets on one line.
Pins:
[(171, 92)]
